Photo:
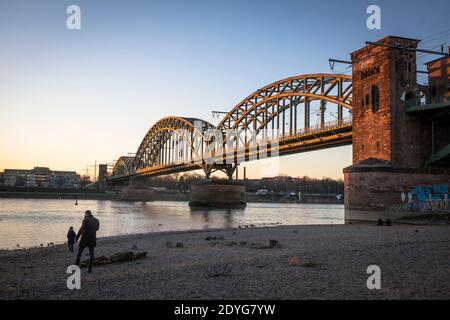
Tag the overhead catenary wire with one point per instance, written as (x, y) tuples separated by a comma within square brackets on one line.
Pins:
[(435, 34), (436, 38), (424, 51), (423, 55), (433, 37)]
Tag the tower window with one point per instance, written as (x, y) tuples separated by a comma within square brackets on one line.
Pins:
[(410, 99), (375, 98)]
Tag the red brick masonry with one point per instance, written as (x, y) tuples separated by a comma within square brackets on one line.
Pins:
[(380, 188)]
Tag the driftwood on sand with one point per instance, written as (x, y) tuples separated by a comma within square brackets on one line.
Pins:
[(115, 258)]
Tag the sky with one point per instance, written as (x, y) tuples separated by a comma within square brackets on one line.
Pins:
[(69, 98)]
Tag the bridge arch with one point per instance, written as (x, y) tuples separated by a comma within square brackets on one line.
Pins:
[(123, 166), (171, 139), (268, 104)]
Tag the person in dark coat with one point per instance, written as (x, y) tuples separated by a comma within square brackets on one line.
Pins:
[(88, 234), (71, 238)]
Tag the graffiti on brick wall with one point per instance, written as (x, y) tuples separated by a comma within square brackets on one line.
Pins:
[(425, 198)]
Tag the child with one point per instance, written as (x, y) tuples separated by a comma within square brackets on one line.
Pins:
[(71, 238)]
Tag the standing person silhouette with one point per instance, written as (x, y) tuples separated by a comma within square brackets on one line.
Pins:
[(88, 234), (71, 238)]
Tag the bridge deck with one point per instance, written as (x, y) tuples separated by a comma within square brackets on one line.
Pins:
[(442, 107), (334, 134)]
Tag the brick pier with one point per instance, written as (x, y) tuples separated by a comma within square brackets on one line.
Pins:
[(391, 147)]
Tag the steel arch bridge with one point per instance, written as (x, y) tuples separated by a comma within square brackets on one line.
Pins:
[(275, 120)]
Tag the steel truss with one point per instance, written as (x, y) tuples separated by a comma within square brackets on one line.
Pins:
[(280, 112)]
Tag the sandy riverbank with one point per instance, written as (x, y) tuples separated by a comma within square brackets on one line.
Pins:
[(331, 264)]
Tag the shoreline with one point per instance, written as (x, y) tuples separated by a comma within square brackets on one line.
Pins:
[(176, 197), (168, 233), (411, 220), (311, 262), (58, 195)]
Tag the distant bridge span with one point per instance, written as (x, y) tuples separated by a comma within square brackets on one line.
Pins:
[(275, 120)]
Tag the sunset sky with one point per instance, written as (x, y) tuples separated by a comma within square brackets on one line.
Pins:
[(72, 97)]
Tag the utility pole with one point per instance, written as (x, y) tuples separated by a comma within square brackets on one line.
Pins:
[(95, 171), (87, 171)]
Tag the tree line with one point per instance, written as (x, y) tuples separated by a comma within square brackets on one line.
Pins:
[(281, 183)]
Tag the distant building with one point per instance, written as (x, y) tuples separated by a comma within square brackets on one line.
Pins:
[(41, 177), (85, 180), (439, 79), (102, 175)]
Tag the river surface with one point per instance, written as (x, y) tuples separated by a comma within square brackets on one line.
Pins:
[(32, 222)]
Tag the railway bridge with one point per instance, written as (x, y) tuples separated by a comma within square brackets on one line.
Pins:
[(273, 121), (400, 130)]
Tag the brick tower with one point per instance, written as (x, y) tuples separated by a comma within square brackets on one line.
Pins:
[(390, 147)]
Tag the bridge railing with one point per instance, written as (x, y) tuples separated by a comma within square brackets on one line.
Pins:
[(319, 128), (426, 96), (276, 139)]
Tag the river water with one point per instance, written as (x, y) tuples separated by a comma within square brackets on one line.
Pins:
[(32, 222)]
